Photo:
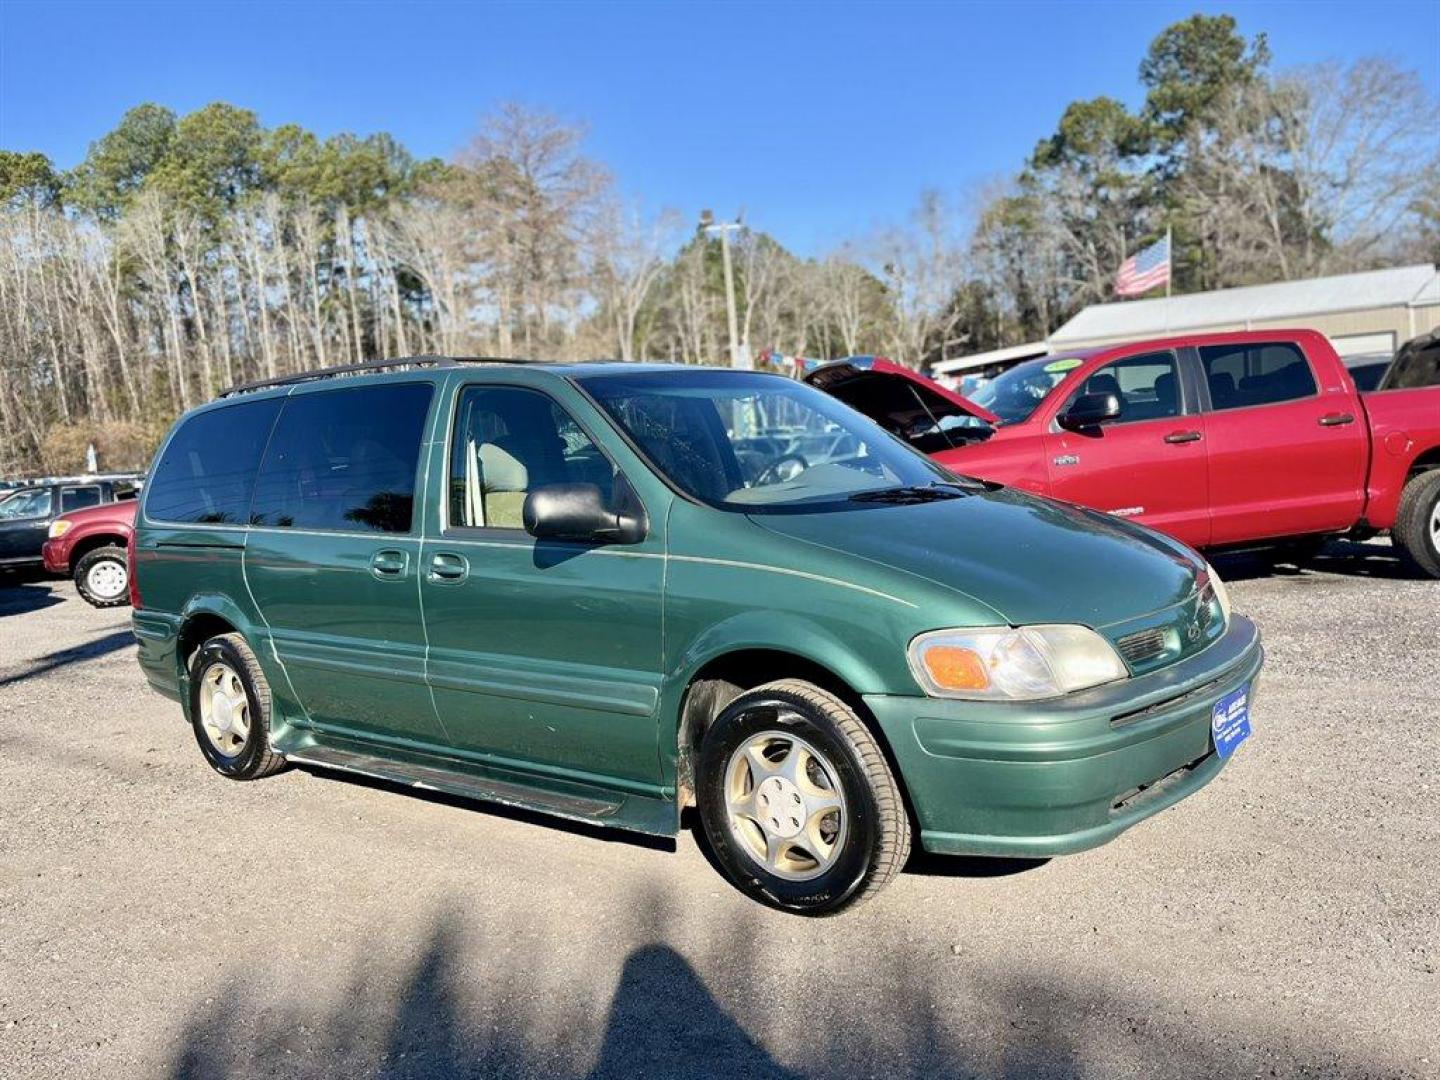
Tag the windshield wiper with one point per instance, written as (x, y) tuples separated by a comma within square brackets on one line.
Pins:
[(913, 493)]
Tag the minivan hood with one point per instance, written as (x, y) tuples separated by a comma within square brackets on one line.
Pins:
[(892, 395), (1032, 560)]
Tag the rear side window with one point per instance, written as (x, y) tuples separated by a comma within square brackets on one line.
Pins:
[(1256, 374), (344, 460), (207, 471), (77, 498)]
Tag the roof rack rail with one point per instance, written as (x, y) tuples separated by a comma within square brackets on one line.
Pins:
[(423, 360)]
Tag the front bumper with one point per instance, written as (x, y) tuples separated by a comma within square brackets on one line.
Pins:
[(1055, 777), (55, 554)]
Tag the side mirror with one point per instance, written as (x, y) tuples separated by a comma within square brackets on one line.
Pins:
[(579, 512), (1090, 411)]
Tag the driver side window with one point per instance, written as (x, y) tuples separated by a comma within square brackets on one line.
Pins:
[(507, 442), (1148, 386)]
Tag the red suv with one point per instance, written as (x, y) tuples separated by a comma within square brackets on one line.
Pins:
[(89, 545)]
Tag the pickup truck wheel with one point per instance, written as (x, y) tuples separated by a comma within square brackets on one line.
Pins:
[(230, 709), (102, 577), (1416, 534), (797, 801)]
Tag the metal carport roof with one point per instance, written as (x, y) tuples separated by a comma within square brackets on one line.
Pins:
[(1401, 286)]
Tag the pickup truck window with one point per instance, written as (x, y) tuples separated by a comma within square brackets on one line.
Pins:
[(1015, 394), (1148, 386), (508, 441), (344, 460), (77, 498), (1264, 373)]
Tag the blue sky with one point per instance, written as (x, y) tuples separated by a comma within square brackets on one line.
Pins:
[(821, 121)]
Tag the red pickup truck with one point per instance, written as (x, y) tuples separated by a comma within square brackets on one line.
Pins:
[(1223, 440)]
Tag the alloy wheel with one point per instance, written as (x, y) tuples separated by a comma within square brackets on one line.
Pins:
[(785, 807), (224, 709)]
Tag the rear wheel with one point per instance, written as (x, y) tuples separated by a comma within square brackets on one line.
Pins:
[(102, 577), (230, 709), (1416, 534), (797, 801)]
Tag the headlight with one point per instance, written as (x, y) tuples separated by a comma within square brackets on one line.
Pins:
[(1222, 594), (59, 527), (1004, 664)]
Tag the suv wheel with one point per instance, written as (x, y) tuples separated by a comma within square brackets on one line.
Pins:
[(230, 709), (1416, 534), (797, 801), (102, 578)]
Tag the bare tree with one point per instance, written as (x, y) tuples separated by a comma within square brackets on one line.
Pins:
[(534, 196), (923, 268), (1364, 151), (628, 254)]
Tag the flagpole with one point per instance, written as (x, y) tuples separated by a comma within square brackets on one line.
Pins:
[(1169, 260)]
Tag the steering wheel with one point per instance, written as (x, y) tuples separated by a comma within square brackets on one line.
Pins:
[(771, 473)]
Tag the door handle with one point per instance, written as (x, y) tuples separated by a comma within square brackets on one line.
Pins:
[(1335, 419), (389, 563), (448, 569), (1183, 437)]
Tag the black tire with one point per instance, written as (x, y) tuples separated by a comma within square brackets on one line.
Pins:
[(1414, 540), (253, 758), (877, 836), (91, 559)]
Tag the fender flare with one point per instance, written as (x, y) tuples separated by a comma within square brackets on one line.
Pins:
[(777, 632)]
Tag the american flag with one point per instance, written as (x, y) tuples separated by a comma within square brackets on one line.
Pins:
[(1144, 270)]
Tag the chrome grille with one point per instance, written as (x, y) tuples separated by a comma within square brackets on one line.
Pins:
[(1142, 645)]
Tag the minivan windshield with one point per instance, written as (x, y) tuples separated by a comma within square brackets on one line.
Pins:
[(753, 442), (34, 503), (1015, 394)]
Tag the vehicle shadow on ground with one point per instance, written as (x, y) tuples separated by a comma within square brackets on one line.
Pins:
[(76, 654), (921, 863), (925, 864), (469, 1004), (19, 597), (1342, 558)]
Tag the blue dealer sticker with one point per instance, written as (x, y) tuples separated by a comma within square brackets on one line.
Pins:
[(1230, 721)]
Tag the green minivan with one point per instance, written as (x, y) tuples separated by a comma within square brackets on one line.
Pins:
[(613, 591)]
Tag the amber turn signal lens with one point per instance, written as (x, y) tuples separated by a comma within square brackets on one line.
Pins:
[(955, 668)]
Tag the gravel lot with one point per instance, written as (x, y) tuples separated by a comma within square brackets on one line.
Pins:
[(157, 920)]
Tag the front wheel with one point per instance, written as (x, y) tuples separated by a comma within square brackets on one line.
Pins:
[(797, 801), (1416, 534), (102, 577)]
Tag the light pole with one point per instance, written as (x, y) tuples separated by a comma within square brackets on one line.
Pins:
[(724, 228)]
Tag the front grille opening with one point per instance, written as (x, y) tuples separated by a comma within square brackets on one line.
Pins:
[(1137, 797), (1142, 645)]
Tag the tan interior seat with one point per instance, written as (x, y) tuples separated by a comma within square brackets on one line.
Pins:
[(503, 482)]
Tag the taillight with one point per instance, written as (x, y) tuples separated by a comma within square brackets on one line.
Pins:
[(130, 572)]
